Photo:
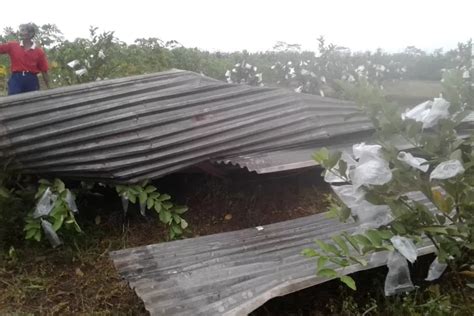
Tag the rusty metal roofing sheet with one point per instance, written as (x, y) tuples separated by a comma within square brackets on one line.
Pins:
[(141, 127), (233, 273)]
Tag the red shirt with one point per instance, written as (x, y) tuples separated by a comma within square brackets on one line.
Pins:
[(32, 60)]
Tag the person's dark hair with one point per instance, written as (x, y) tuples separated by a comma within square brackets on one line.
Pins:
[(30, 28)]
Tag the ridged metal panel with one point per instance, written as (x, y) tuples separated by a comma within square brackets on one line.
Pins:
[(143, 127), (236, 272)]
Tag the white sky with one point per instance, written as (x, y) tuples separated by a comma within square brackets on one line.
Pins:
[(258, 24)]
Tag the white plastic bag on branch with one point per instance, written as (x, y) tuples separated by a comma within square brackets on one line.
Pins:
[(71, 203), (372, 172), (429, 112), (436, 270), (398, 278), (364, 152), (413, 162), (45, 204), (405, 246), (367, 214), (447, 169), (124, 204), (50, 233), (73, 63), (371, 168)]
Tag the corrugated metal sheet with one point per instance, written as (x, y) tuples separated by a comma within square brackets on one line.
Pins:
[(232, 273), (147, 126), (293, 158)]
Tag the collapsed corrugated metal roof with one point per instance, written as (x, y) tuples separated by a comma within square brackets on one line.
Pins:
[(234, 273), (147, 126)]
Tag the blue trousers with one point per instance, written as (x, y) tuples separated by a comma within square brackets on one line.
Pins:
[(20, 82)]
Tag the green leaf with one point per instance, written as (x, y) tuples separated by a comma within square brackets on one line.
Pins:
[(30, 233), (435, 229), (165, 216), (176, 229), (149, 203), (321, 262), (327, 247), (339, 261), (321, 156), (37, 235), (44, 181), (158, 207), (347, 280), (164, 197), (179, 209), (167, 205), (40, 192), (360, 261), (142, 198), (32, 225), (184, 224), (399, 228), (341, 243), (59, 185), (327, 273), (309, 252), (150, 189), (333, 158), (132, 198), (385, 234), (154, 195), (58, 222), (120, 188), (76, 226), (136, 188), (456, 155), (352, 241), (176, 218), (4, 193), (374, 198), (441, 219), (374, 237), (364, 241)]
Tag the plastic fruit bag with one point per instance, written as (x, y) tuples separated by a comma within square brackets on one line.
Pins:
[(436, 270), (413, 162), (71, 203), (398, 278), (447, 169), (405, 246), (50, 233), (368, 214), (45, 204)]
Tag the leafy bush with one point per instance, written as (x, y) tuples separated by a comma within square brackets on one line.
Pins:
[(149, 198), (440, 165), (49, 209)]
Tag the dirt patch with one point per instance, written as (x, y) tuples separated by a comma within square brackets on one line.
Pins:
[(219, 205)]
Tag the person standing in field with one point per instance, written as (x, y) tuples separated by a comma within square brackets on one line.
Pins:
[(26, 62)]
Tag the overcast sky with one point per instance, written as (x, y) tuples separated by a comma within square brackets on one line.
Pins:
[(256, 25)]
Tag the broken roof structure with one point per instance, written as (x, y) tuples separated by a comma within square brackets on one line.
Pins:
[(144, 127), (234, 273)]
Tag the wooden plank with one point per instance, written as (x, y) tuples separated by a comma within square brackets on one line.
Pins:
[(231, 273)]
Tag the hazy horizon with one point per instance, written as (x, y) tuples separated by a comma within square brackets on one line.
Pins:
[(215, 25)]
